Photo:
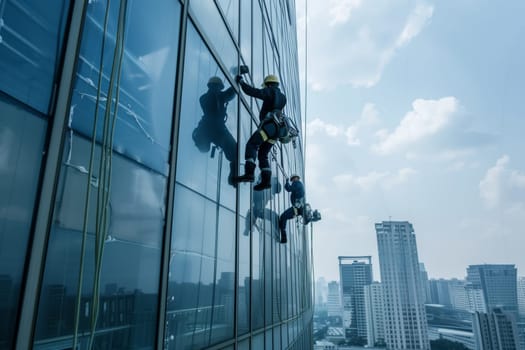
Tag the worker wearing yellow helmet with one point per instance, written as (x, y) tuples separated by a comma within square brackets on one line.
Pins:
[(261, 142)]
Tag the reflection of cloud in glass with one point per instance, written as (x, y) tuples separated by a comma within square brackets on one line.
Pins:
[(154, 62)]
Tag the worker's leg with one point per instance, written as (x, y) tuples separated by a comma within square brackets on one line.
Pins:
[(285, 216), (264, 165), (253, 144)]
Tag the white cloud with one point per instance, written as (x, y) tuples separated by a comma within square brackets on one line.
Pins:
[(351, 136), (415, 23), (354, 40), (341, 10), (317, 125), (369, 117), (373, 179), (426, 118), (500, 186)]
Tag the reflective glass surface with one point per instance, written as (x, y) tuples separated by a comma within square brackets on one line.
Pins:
[(202, 267), (207, 149), (209, 18), (22, 137), (129, 241), (31, 34), (143, 89), (102, 268)]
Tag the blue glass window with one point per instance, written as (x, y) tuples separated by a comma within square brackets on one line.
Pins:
[(121, 227), (22, 138), (144, 88), (31, 34), (207, 148), (202, 269)]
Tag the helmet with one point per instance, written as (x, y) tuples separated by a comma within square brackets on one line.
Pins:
[(271, 79), (295, 175), (216, 81)]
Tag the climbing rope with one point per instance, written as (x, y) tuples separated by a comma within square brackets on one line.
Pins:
[(105, 171), (89, 177)]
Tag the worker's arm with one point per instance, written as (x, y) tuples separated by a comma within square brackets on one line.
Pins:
[(251, 91), (228, 94), (287, 186)]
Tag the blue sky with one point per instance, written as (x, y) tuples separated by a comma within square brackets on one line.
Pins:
[(415, 111)]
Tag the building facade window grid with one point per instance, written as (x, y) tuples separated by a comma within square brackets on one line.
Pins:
[(294, 271)]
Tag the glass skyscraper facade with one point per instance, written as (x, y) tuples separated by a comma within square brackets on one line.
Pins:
[(119, 228)]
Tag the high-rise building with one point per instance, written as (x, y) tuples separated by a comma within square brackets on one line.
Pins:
[(440, 292), (499, 285), (476, 301), (121, 126), (458, 294), (321, 290), (355, 273), (405, 317), (333, 303), (374, 307), (425, 283), (495, 330), (521, 296)]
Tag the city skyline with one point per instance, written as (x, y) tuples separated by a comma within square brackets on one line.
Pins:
[(417, 117)]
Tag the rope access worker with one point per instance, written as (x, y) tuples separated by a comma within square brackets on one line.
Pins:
[(212, 126), (296, 188), (261, 142)]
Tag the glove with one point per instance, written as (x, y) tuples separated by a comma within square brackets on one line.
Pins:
[(238, 78)]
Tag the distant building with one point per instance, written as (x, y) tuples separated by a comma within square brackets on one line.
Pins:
[(425, 284), (495, 330), (440, 292), (476, 300), (374, 307), (356, 273), (405, 316), (333, 303), (324, 345), (521, 296), (499, 285), (320, 291)]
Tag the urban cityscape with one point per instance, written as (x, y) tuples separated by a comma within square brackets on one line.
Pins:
[(223, 174), (408, 310)]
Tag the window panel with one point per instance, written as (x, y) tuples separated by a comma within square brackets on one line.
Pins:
[(206, 143), (223, 311), (243, 299), (130, 242), (145, 87), (31, 35), (246, 31), (22, 137), (191, 275), (230, 8), (257, 279), (209, 18)]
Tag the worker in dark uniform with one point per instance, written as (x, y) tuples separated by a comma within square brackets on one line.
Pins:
[(296, 188), (261, 142), (212, 127)]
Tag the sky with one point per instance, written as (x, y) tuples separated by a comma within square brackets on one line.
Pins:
[(415, 111)]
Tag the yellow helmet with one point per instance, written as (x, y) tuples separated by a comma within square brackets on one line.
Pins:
[(271, 79), (216, 81)]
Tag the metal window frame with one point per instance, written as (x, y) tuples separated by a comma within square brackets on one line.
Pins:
[(37, 254)]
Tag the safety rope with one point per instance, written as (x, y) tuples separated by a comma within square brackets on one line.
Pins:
[(105, 171), (106, 167), (89, 177)]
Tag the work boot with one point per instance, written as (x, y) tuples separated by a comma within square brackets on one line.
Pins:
[(233, 174), (283, 237), (266, 181), (249, 170)]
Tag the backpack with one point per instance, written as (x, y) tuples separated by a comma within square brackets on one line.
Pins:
[(287, 129)]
